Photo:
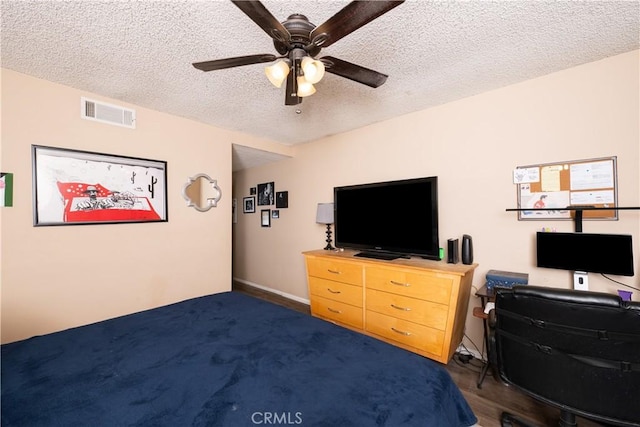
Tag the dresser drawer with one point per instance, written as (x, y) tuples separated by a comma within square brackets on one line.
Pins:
[(338, 311), (336, 291), (404, 332), (428, 286), (337, 270), (414, 310)]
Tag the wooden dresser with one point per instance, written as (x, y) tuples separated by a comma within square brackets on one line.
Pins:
[(416, 304)]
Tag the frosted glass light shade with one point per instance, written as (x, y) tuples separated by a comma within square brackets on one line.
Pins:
[(313, 69), (277, 73), (305, 88)]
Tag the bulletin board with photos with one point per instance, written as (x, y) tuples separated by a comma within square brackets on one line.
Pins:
[(588, 183)]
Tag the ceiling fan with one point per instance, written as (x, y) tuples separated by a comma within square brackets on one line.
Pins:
[(298, 41)]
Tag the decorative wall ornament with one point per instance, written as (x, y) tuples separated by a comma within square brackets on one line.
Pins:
[(201, 192)]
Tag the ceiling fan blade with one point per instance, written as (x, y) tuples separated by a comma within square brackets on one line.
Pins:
[(265, 20), (353, 72), (353, 16), (219, 64), (291, 94)]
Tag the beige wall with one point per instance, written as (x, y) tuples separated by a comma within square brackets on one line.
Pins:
[(472, 145), (53, 278)]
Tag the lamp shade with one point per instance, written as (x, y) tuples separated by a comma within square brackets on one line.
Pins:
[(325, 213), (305, 88), (312, 69), (277, 73)]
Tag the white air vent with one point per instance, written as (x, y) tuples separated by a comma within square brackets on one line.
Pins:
[(107, 113)]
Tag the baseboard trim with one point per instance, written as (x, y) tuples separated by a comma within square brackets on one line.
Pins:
[(273, 291)]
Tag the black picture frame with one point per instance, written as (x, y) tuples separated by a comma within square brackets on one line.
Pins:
[(266, 194), (265, 217), (275, 214), (282, 199), (76, 187), (249, 204)]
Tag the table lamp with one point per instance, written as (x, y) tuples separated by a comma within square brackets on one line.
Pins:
[(325, 216)]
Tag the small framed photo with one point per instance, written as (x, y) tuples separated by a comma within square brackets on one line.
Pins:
[(265, 219), (252, 191), (249, 204), (266, 194), (282, 199), (275, 213)]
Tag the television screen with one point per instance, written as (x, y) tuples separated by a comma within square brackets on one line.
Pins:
[(394, 217), (596, 253)]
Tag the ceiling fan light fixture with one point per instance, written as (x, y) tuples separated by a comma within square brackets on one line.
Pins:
[(312, 69), (299, 42), (277, 73), (305, 88)]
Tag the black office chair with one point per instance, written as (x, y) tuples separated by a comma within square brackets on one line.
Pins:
[(578, 351)]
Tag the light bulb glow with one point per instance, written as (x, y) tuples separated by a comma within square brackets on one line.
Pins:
[(305, 88), (313, 70), (277, 73)]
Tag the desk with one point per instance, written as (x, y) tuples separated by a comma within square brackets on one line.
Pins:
[(485, 296)]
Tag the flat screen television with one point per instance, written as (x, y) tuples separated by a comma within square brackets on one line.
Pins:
[(387, 220), (595, 253)]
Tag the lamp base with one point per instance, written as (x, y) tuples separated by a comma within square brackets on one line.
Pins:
[(329, 247)]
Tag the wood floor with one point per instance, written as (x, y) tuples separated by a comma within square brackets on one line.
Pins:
[(487, 403)]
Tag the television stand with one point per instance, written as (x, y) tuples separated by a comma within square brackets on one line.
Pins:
[(416, 304), (386, 256)]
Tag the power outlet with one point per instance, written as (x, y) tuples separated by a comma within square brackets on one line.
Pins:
[(580, 280)]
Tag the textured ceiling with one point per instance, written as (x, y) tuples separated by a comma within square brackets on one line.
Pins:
[(434, 52)]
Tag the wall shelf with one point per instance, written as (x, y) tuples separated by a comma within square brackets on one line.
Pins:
[(579, 210)]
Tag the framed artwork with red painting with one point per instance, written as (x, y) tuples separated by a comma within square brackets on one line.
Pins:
[(73, 187)]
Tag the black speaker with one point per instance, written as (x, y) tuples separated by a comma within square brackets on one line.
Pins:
[(467, 250), (452, 251)]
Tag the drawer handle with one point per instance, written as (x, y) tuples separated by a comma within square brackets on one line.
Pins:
[(333, 271), (332, 291), (393, 282), (400, 308), (334, 311), (398, 331)]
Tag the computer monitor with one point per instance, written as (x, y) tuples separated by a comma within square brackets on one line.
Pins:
[(596, 253)]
